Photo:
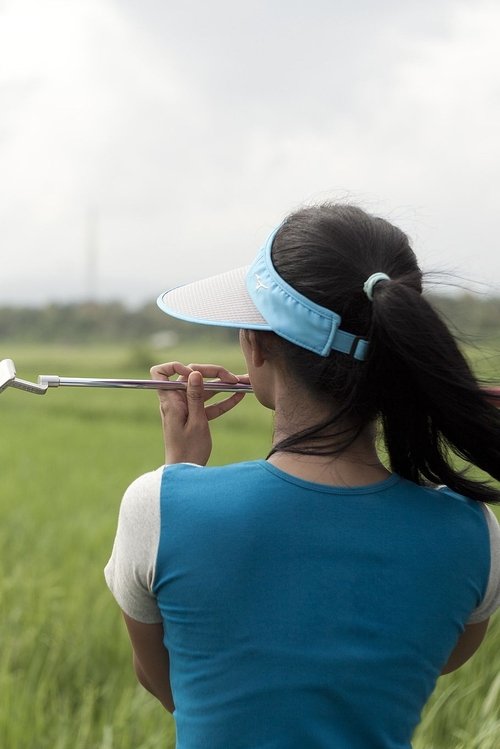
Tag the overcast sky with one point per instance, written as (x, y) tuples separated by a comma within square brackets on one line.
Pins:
[(146, 143)]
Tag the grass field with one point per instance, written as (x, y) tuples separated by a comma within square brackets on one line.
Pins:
[(65, 458)]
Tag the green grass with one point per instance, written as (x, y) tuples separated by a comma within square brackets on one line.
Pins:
[(66, 680)]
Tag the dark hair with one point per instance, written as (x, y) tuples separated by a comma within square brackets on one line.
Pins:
[(415, 379)]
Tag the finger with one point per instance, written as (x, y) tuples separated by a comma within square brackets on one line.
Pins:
[(222, 407), (215, 371), (173, 405), (195, 396), (164, 371)]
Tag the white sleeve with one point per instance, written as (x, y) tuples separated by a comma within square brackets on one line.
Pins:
[(491, 600), (130, 571)]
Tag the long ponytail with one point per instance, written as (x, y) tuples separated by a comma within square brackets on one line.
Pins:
[(432, 408)]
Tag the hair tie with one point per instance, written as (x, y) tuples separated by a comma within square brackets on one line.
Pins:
[(371, 281)]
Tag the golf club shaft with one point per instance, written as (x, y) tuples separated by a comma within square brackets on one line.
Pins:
[(92, 382)]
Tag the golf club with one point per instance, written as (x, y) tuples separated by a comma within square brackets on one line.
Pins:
[(8, 379)]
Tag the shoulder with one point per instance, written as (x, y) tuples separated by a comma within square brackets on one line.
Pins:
[(469, 507), (486, 518), (229, 468), (185, 472), (139, 516), (186, 485), (491, 599), (144, 484), (450, 501), (142, 495)]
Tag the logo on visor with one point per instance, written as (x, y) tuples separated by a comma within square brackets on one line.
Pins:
[(259, 283)]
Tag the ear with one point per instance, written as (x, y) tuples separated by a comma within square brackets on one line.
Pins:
[(257, 344)]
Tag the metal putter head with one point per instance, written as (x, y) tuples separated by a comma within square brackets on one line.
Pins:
[(7, 373), (8, 378)]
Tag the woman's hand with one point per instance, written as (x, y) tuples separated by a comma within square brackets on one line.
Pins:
[(183, 412)]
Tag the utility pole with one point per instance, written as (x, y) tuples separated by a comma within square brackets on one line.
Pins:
[(91, 253)]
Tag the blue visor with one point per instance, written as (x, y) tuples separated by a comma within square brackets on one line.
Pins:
[(294, 317)]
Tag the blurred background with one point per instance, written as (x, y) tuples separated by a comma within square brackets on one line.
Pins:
[(146, 143)]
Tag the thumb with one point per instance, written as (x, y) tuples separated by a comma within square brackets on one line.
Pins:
[(195, 395)]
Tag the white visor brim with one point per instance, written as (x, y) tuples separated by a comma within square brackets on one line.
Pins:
[(219, 300)]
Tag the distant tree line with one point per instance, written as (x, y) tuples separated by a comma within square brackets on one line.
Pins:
[(469, 316), (95, 322)]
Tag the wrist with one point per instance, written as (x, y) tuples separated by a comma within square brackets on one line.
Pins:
[(174, 457)]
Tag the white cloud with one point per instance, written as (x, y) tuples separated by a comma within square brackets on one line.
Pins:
[(194, 127)]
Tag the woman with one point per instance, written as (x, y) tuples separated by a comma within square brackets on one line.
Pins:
[(312, 599)]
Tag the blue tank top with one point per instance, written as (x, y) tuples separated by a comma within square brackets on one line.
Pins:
[(302, 615)]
